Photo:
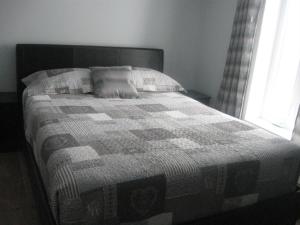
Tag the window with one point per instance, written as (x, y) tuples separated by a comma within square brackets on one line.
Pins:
[(274, 90)]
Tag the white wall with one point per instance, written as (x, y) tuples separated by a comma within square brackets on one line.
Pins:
[(194, 33), (216, 27), (173, 25)]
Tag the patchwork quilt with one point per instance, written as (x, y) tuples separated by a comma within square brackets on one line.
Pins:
[(161, 159)]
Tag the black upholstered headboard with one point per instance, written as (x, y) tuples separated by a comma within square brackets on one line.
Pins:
[(33, 57)]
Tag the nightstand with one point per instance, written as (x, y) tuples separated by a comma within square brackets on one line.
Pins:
[(205, 99), (9, 128)]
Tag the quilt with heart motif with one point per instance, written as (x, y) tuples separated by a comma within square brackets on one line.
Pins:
[(161, 159)]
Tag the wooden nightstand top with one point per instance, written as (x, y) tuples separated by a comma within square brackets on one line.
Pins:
[(10, 124), (8, 97), (197, 95)]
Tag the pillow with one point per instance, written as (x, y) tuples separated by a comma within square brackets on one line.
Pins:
[(41, 75), (151, 80), (73, 82), (113, 82), (111, 67)]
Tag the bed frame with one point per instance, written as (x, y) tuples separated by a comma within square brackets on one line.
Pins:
[(283, 210)]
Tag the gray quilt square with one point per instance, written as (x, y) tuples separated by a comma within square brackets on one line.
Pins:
[(77, 109), (56, 142), (112, 145), (127, 107), (196, 111), (93, 202), (212, 133), (134, 146), (124, 134), (48, 121), (161, 145), (154, 134), (106, 122), (74, 213), (138, 114), (106, 147), (62, 90), (127, 114), (142, 198), (194, 136), (241, 178), (87, 164), (71, 97), (153, 107), (210, 177), (117, 114)]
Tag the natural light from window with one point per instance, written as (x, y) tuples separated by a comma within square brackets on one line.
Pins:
[(274, 96)]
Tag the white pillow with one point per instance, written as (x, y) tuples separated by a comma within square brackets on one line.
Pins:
[(151, 80), (44, 74), (72, 82)]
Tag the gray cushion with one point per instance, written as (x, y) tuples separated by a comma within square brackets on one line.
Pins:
[(113, 82)]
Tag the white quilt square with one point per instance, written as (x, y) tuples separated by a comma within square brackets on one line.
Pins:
[(100, 117), (41, 98), (176, 114), (82, 153), (185, 143)]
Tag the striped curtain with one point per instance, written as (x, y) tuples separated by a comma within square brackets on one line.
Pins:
[(296, 133), (239, 57)]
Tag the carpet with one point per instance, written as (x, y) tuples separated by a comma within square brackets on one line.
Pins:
[(17, 205)]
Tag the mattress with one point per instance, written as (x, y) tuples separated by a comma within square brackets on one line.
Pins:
[(161, 159)]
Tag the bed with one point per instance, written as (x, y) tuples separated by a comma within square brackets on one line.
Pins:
[(161, 159)]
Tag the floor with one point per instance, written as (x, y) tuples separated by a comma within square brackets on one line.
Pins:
[(17, 206)]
